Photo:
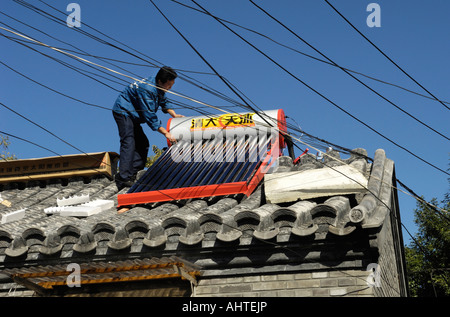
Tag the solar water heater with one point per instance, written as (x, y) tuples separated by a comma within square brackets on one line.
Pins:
[(215, 155)]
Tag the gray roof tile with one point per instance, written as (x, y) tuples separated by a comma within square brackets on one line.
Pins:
[(199, 222)]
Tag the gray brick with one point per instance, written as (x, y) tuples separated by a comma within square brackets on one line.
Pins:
[(255, 278), (234, 280), (319, 274), (303, 292), (302, 276), (347, 281), (328, 282), (303, 283), (286, 277), (358, 290), (237, 288), (338, 291), (286, 293), (269, 277), (267, 294), (274, 285), (206, 289), (320, 292), (212, 281)]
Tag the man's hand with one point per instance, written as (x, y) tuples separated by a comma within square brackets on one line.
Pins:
[(170, 137), (178, 116), (167, 134)]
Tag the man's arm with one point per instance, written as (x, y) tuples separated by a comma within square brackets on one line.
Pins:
[(173, 114), (167, 134)]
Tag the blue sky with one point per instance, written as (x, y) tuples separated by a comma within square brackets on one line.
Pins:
[(412, 33)]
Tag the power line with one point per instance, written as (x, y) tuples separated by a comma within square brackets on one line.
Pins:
[(385, 55), (347, 72), (103, 67), (41, 127), (27, 39), (74, 68), (106, 68), (285, 134), (200, 55), (181, 76), (54, 90), (28, 141), (324, 97), (310, 56)]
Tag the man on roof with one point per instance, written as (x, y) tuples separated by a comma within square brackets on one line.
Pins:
[(138, 104)]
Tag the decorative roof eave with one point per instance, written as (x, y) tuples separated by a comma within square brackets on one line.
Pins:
[(44, 278), (64, 166)]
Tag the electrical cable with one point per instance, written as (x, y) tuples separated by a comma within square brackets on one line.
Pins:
[(310, 56), (379, 50), (192, 100), (74, 68), (55, 19), (118, 80), (201, 56), (327, 99), (347, 72)]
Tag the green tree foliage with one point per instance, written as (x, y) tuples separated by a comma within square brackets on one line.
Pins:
[(152, 159), (428, 256), (4, 144)]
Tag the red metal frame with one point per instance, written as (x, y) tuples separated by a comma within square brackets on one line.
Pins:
[(242, 187)]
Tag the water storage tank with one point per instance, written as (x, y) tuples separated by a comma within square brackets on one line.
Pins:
[(228, 125)]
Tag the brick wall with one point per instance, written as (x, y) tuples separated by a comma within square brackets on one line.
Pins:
[(390, 260), (312, 284)]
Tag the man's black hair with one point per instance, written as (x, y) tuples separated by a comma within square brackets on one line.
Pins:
[(166, 73)]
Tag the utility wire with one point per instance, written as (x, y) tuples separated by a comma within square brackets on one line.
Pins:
[(171, 92), (28, 141), (326, 98), (301, 131), (41, 127), (118, 80), (54, 90), (193, 100), (286, 135), (127, 51), (310, 56), (385, 55), (74, 68), (200, 55), (347, 72)]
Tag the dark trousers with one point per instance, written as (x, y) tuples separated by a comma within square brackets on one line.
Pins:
[(134, 146)]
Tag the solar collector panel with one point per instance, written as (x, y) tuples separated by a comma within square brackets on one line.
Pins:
[(198, 166), (202, 162)]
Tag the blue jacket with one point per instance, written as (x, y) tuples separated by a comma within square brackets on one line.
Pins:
[(140, 101)]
